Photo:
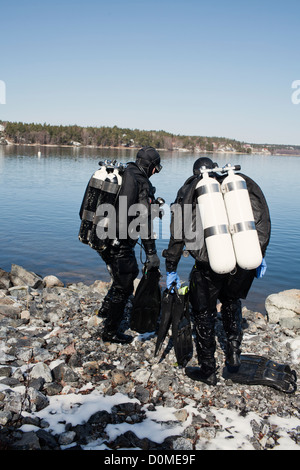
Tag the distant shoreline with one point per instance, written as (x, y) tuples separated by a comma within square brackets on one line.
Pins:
[(181, 150), (103, 137)]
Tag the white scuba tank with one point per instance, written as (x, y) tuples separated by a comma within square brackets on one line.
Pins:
[(101, 224), (103, 187), (215, 225), (89, 204), (241, 220)]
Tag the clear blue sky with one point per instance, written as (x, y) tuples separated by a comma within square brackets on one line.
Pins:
[(193, 67)]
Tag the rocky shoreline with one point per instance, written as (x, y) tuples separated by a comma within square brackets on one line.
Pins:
[(62, 387)]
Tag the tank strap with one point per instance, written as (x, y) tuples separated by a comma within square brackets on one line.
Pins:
[(88, 215), (216, 230), (106, 186), (234, 185), (209, 188), (243, 226)]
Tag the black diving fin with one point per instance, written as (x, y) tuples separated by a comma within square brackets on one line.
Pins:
[(146, 302), (259, 370), (181, 327), (175, 312), (165, 319)]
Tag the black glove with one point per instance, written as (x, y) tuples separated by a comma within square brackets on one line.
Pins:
[(152, 261)]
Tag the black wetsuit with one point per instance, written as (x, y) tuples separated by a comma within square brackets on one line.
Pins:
[(119, 255)]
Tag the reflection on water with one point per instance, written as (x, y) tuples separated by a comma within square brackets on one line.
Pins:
[(40, 198)]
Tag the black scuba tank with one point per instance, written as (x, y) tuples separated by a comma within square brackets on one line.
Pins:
[(103, 188)]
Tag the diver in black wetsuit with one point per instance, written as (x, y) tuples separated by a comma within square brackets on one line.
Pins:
[(119, 255), (206, 286)]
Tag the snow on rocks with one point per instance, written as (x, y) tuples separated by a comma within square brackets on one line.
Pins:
[(62, 387)]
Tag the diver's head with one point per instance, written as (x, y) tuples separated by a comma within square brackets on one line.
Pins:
[(148, 159), (203, 162)]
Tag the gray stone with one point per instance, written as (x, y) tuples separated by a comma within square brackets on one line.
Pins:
[(182, 443), (19, 292), (52, 388), (283, 305), (29, 441), (52, 281), (5, 282), (141, 376), (5, 417), (38, 401), (64, 373), (5, 371), (47, 441), (41, 370), (20, 277), (66, 438), (9, 307), (14, 402)]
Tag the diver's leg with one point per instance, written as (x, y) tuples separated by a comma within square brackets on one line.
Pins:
[(231, 312), (123, 268), (203, 298), (204, 322)]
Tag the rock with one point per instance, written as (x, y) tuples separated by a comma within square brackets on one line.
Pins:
[(46, 440), (66, 438), (141, 376), (52, 388), (182, 444), (28, 441), (64, 373), (181, 415), (25, 315), (41, 370), (52, 281), (118, 377), (99, 287), (94, 321), (20, 277), (283, 306), (9, 307), (5, 371), (294, 346), (5, 417), (19, 292), (38, 401), (5, 282)]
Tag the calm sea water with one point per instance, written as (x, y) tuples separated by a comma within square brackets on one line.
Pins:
[(40, 199)]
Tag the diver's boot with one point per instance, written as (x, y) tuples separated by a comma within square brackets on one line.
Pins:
[(206, 347), (106, 303), (117, 337), (232, 321), (105, 307), (111, 331)]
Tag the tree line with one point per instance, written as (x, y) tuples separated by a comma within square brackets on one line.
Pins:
[(46, 134)]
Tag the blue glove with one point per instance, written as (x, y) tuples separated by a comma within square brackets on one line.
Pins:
[(173, 277), (261, 270)]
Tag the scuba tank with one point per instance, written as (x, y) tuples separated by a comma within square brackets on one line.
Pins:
[(215, 225), (103, 188), (229, 228), (241, 219)]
